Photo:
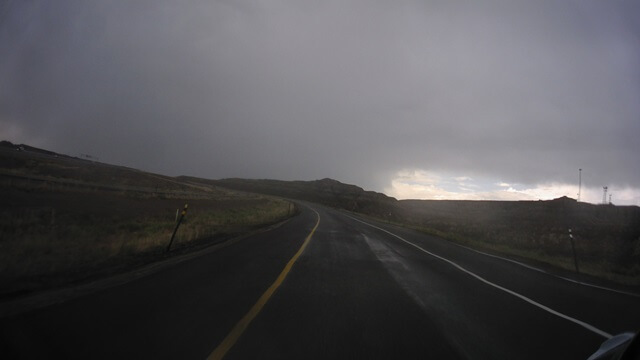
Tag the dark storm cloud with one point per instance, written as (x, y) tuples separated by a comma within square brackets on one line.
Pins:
[(354, 90)]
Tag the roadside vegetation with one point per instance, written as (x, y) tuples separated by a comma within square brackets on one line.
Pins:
[(64, 219), (58, 226), (606, 237)]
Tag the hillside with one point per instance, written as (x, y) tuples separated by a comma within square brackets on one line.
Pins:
[(326, 192), (66, 220), (34, 165), (607, 237)]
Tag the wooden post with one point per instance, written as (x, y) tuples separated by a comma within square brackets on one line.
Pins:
[(184, 212)]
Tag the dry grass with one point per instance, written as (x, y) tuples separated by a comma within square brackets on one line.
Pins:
[(50, 237), (555, 252), (64, 219)]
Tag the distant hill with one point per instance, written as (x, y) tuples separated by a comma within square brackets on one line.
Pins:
[(22, 147), (34, 164), (66, 220), (326, 191)]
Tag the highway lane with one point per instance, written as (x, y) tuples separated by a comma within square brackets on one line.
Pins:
[(463, 317), (357, 291), (340, 302)]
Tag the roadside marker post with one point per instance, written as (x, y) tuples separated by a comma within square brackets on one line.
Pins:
[(184, 212), (573, 248)]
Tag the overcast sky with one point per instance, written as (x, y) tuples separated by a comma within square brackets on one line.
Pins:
[(432, 99)]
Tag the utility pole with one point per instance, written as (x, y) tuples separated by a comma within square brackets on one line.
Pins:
[(579, 183), (604, 195)]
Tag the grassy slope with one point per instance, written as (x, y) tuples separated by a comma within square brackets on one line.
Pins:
[(64, 219), (607, 238)]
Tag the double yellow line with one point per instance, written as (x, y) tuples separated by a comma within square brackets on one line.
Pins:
[(242, 325)]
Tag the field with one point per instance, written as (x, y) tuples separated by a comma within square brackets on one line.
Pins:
[(606, 237), (65, 220)]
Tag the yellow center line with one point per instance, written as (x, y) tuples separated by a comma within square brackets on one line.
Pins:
[(242, 325)]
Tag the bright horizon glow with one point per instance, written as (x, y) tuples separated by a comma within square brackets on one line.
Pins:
[(428, 185)]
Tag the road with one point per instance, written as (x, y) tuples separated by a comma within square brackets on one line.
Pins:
[(327, 284)]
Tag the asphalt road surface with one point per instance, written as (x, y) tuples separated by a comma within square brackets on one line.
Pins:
[(329, 285)]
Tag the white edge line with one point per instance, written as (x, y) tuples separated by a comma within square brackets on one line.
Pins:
[(540, 270), (548, 273), (532, 302)]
